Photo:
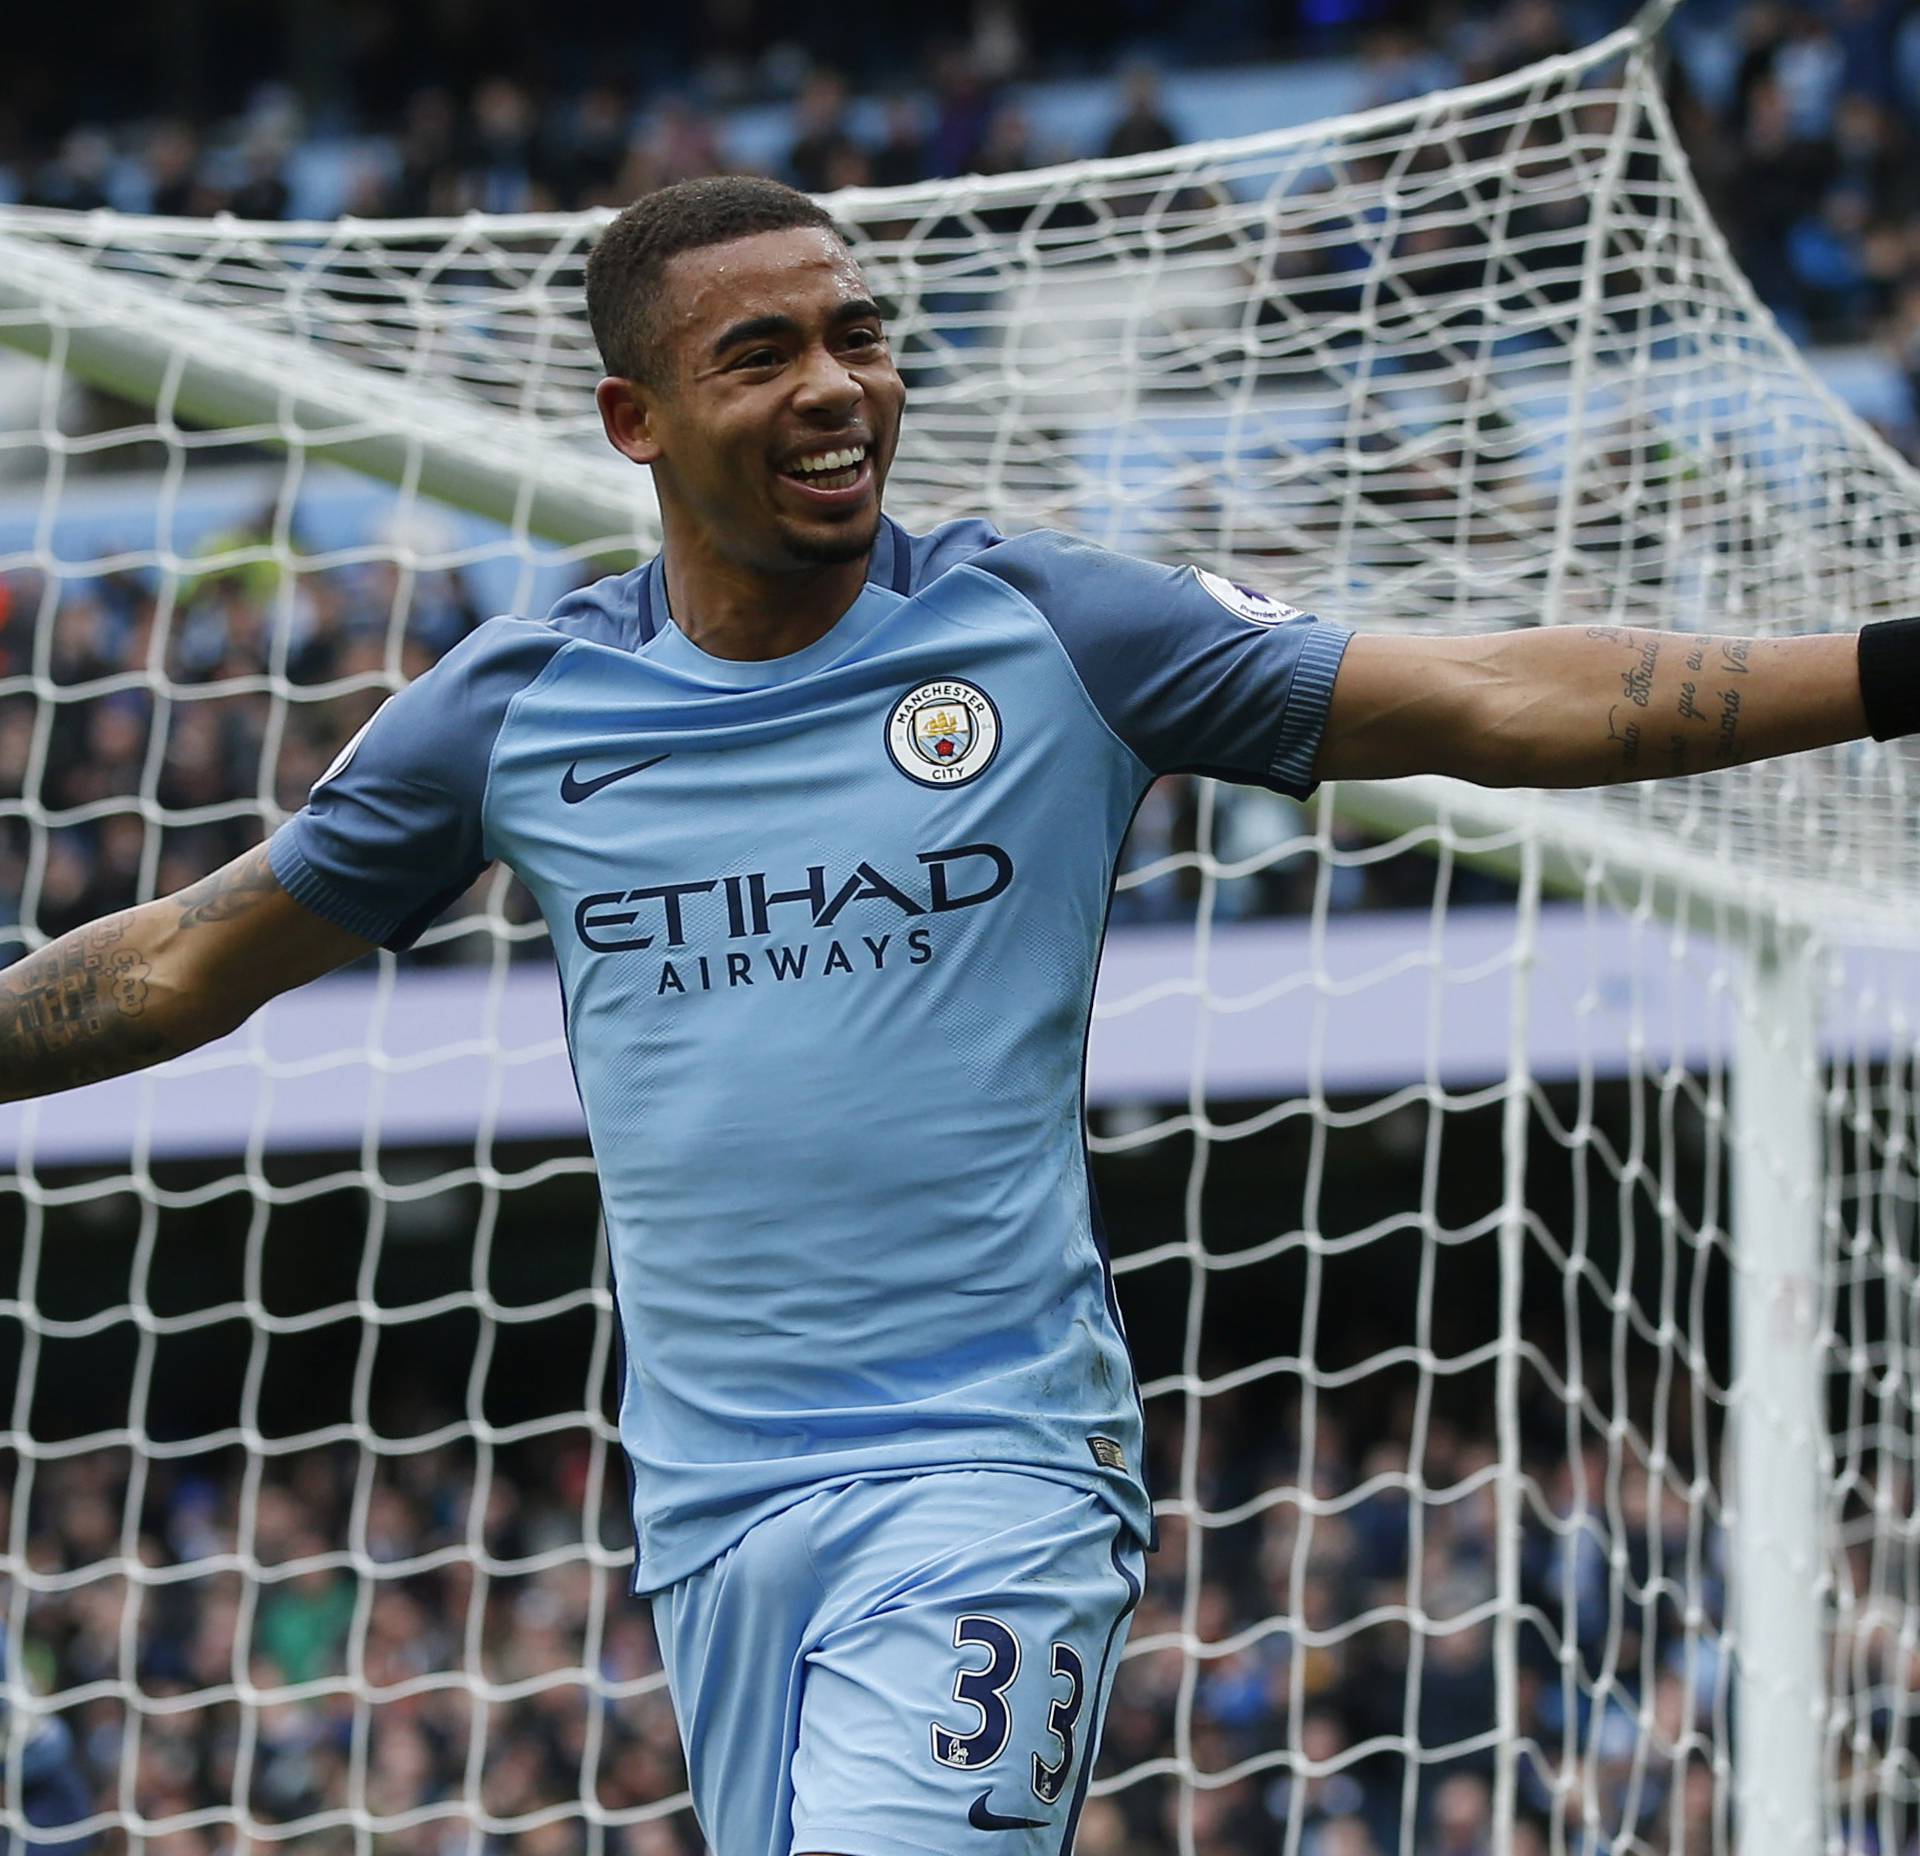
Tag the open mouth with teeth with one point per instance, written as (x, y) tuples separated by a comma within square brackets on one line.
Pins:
[(830, 470)]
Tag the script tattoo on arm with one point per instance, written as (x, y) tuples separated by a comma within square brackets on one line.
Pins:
[(89, 1005), (1626, 732), (72, 1013), (1562, 706), (1636, 694), (1715, 709), (1706, 706)]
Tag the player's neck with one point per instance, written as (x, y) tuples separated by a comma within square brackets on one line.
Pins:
[(740, 612)]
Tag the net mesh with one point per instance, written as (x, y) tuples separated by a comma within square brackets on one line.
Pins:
[(1453, 1366)]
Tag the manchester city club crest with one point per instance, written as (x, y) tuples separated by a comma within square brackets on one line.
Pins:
[(944, 733)]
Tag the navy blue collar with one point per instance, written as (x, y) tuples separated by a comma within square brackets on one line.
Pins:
[(890, 565)]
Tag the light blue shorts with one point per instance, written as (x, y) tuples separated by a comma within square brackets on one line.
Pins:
[(890, 1668)]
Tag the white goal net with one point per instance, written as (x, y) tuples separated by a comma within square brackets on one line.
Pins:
[(1513, 1196)]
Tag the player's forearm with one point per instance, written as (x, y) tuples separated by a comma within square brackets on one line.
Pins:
[(1592, 706), (85, 1007), (139, 987)]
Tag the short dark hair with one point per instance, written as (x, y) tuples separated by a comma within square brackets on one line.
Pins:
[(627, 268)]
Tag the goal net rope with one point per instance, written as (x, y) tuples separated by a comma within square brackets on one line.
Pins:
[(1563, 1498)]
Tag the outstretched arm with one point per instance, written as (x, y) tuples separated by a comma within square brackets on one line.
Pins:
[(1585, 706), (151, 982)]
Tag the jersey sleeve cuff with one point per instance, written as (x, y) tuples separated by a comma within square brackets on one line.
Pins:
[(1305, 716), (308, 887)]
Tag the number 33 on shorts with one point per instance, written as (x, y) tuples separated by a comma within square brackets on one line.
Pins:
[(983, 1685)]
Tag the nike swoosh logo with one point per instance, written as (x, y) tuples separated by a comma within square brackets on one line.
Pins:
[(573, 789), (981, 1818)]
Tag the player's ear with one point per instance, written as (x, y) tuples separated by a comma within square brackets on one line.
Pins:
[(626, 416)]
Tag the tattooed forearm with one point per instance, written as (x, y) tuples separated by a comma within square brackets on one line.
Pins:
[(92, 1005), (1605, 704), (146, 985), (228, 892), (1625, 732), (76, 1011), (1710, 699), (1727, 741), (1636, 682), (1636, 687), (1566, 705), (1719, 702)]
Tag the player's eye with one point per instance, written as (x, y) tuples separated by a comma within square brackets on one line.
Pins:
[(758, 357)]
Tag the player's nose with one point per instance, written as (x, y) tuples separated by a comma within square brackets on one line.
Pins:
[(827, 389)]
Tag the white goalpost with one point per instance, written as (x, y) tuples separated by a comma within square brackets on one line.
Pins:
[(1564, 1492)]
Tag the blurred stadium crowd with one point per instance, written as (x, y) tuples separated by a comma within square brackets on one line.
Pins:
[(1800, 118), (221, 754), (424, 1612)]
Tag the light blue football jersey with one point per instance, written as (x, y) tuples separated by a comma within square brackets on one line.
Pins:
[(827, 928)]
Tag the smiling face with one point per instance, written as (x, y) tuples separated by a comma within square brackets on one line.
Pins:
[(775, 405)]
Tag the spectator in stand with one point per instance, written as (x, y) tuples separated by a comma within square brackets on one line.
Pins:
[(1826, 253), (1865, 33), (1462, 1819), (1399, 64), (1322, 1799), (1810, 67), (1901, 340), (1008, 146), (1340, 1836), (263, 192), (426, 153), (583, 149), (822, 140), (963, 106), (497, 166), (174, 187), (1142, 125), (76, 179), (850, 166), (1782, 178), (681, 142), (1761, 30), (902, 157), (1866, 152), (1527, 31)]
